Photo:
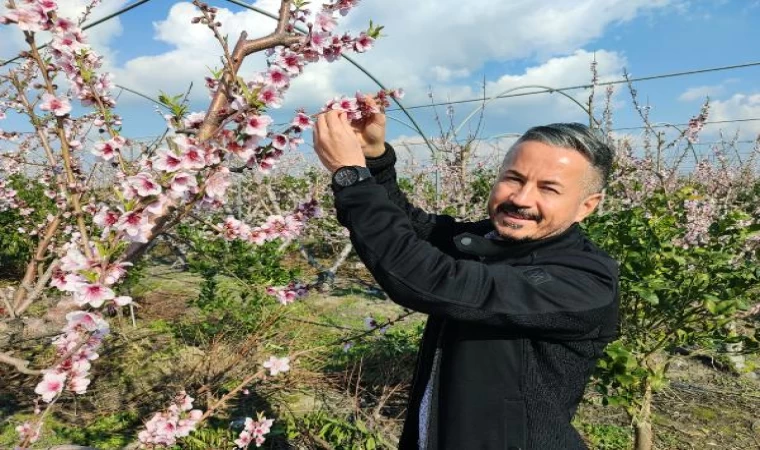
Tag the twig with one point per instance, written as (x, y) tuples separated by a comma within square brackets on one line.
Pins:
[(21, 365)]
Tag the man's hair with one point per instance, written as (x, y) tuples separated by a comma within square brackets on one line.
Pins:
[(581, 138)]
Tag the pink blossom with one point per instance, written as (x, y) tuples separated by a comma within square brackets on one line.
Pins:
[(29, 17), (363, 43), (166, 160), (270, 96), (194, 120), (68, 282), (280, 141), (122, 300), (78, 385), (47, 5), (289, 293), (302, 121), (89, 322), (115, 272), (319, 41), (160, 205), (193, 159), (58, 106), (108, 149), (277, 77), (290, 61), (63, 25), (29, 432), (74, 260), (135, 225), (277, 365), (181, 183), (254, 431), (257, 125), (178, 421), (398, 94), (71, 42), (217, 184), (94, 294), (105, 218), (144, 184), (51, 385), (244, 439), (324, 21)]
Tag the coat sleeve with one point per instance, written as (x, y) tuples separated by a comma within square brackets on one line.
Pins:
[(568, 296), (434, 228)]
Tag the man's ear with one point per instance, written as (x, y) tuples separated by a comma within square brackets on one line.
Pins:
[(588, 206)]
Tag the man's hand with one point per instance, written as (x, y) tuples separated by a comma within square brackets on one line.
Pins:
[(371, 132), (335, 143)]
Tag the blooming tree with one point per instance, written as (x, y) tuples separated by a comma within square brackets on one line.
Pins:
[(88, 244)]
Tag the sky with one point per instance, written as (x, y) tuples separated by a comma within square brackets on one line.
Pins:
[(456, 50)]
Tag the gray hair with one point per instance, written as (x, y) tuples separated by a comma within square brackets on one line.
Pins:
[(579, 137)]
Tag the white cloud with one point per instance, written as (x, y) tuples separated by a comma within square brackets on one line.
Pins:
[(412, 150), (12, 39), (738, 106), (701, 92), (433, 42), (445, 74)]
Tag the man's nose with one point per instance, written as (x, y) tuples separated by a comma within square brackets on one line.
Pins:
[(524, 196)]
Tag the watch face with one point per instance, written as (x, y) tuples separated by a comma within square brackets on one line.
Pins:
[(346, 176)]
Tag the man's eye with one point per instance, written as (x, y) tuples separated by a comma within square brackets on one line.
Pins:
[(549, 189)]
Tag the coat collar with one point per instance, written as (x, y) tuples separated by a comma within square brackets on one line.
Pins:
[(478, 245)]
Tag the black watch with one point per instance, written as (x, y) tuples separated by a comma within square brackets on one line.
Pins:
[(349, 175)]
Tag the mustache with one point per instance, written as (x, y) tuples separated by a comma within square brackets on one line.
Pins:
[(521, 213)]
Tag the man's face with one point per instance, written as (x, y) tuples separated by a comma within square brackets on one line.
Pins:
[(541, 191)]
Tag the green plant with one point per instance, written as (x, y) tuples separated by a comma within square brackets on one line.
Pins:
[(671, 294), (16, 242), (113, 431), (607, 437), (340, 432)]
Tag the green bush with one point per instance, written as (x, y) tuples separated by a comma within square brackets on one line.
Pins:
[(16, 247)]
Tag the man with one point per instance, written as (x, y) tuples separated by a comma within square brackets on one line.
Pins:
[(520, 306)]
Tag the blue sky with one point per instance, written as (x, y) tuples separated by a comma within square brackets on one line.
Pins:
[(452, 46)]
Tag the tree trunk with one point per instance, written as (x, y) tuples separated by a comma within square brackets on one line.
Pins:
[(644, 437)]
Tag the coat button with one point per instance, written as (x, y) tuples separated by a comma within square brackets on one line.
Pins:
[(466, 241)]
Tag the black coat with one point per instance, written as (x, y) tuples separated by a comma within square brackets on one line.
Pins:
[(514, 330)]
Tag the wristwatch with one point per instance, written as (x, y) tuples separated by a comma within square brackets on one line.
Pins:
[(349, 175)]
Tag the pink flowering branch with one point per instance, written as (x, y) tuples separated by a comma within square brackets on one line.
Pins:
[(244, 48)]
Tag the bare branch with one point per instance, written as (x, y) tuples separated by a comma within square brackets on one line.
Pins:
[(21, 365)]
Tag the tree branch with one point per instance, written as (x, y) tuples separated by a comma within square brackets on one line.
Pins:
[(19, 364), (243, 48)]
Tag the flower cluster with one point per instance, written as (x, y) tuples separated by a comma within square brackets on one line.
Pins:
[(290, 293), (358, 108), (71, 54), (90, 280), (164, 428), (75, 348), (252, 138), (7, 197), (700, 214), (29, 432), (277, 365), (285, 227), (254, 431), (697, 123)]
